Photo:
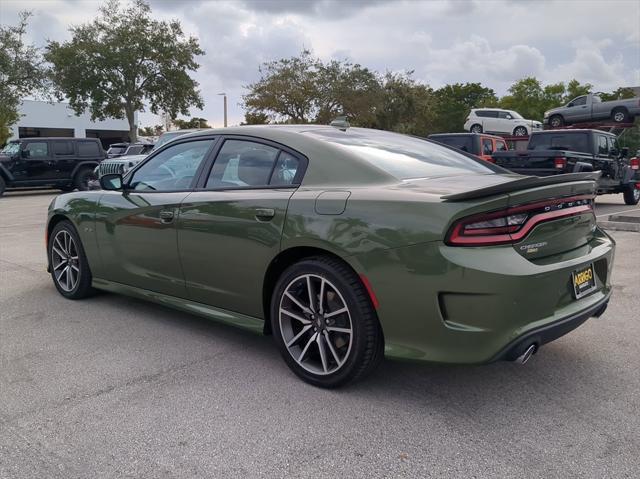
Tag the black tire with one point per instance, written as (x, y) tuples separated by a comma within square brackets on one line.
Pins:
[(631, 195), (367, 344), (3, 186), (476, 128), (82, 177), (556, 121), (620, 115), (520, 131), (82, 287)]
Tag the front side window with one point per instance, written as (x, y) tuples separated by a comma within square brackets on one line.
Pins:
[(487, 146), (37, 149), (242, 163), (581, 100), (501, 145), (603, 148), (505, 115), (172, 169)]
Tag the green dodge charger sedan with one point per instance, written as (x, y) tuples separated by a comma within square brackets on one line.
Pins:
[(346, 245)]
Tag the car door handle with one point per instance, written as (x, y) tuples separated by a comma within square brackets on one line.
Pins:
[(265, 214), (166, 216)]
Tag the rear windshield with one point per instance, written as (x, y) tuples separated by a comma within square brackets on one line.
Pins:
[(402, 156), (464, 143), (560, 141)]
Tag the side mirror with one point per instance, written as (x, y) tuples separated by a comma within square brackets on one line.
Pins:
[(112, 182), (624, 152), (25, 153)]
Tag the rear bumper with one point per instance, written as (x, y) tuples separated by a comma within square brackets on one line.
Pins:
[(477, 305), (550, 332)]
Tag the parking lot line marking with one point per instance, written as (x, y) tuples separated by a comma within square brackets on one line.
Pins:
[(618, 212)]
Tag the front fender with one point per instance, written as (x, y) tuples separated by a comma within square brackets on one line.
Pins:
[(80, 209)]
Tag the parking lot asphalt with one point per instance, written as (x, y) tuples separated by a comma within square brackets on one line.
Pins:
[(114, 387)]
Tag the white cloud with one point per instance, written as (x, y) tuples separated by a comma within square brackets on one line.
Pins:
[(494, 42)]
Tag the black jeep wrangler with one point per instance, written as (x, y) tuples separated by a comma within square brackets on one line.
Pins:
[(63, 163)]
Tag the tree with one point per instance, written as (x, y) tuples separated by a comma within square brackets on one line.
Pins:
[(574, 89), (151, 130), (124, 58), (255, 119), (286, 90), (22, 72), (305, 89), (453, 103), (406, 105), (192, 123)]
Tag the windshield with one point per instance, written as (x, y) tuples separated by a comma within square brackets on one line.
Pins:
[(11, 149), (560, 141), (402, 156), (117, 149)]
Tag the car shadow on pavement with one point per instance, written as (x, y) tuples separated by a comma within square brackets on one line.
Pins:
[(559, 372)]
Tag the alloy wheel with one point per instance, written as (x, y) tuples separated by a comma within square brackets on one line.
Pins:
[(315, 323), (65, 261), (618, 117)]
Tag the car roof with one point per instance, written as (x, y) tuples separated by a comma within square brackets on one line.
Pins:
[(575, 130), (484, 135), (66, 138), (329, 164)]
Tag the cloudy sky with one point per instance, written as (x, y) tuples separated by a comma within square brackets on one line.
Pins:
[(447, 41)]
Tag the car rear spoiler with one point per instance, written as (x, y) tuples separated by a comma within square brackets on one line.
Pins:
[(523, 183)]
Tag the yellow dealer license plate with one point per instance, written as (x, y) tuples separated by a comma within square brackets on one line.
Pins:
[(584, 281)]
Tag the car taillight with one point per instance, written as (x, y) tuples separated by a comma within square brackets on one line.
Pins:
[(513, 224), (560, 162), (634, 163)]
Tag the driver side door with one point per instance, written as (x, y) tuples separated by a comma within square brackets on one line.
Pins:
[(136, 228)]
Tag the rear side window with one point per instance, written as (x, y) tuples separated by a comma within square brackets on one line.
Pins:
[(560, 141), (37, 149), (464, 143), (242, 163), (285, 170), (62, 148), (88, 148), (487, 113), (402, 156)]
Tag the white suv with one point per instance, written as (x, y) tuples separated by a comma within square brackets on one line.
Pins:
[(496, 120)]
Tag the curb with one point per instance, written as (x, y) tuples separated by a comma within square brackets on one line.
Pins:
[(619, 226)]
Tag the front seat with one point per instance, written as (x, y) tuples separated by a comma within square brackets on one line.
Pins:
[(254, 167)]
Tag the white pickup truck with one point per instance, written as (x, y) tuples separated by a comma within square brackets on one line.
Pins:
[(590, 107)]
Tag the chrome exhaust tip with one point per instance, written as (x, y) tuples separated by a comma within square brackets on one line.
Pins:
[(524, 357)]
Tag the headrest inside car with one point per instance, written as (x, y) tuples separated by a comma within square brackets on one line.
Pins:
[(254, 167)]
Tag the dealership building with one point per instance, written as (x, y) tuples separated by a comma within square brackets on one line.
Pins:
[(40, 118)]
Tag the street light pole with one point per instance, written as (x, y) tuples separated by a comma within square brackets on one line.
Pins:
[(224, 98)]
